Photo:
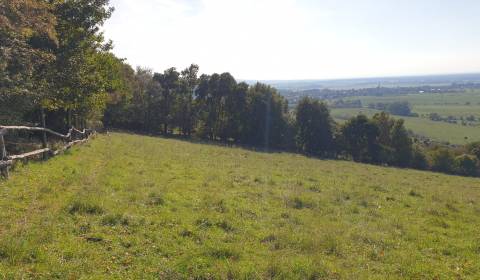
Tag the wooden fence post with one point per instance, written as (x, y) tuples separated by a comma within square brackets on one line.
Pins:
[(3, 153), (44, 134)]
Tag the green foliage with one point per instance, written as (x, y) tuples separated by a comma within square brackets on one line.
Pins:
[(27, 40), (360, 139), (314, 127), (474, 149), (214, 107), (267, 123), (443, 160), (400, 108), (467, 165), (401, 145), (54, 57), (381, 139), (83, 68), (419, 159), (440, 132)]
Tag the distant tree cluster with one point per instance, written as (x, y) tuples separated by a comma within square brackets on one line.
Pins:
[(467, 120), (399, 108), (346, 103)]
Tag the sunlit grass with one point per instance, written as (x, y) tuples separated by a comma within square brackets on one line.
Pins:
[(126, 206)]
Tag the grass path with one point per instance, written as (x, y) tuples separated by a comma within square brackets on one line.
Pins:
[(126, 206)]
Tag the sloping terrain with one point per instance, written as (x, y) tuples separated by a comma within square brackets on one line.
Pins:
[(136, 207)]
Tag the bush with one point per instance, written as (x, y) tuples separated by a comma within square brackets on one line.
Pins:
[(474, 149), (443, 161), (401, 108), (466, 165), (419, 160)]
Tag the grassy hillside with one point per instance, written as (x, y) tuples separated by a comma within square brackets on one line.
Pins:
[(126, 206)]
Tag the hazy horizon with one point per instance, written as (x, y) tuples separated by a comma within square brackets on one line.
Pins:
[(299, 40)]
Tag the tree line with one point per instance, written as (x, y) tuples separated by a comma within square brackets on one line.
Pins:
[(213, 107), (217, 107), (56, 68)]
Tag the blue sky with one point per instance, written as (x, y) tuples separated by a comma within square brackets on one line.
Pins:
[(303, 39)]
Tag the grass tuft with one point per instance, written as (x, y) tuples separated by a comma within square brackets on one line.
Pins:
[(84, 207)]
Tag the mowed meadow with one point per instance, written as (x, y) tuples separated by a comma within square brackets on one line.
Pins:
[(136, 207)]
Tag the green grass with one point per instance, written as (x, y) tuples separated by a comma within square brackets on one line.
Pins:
[(439, 131), (133, 207)]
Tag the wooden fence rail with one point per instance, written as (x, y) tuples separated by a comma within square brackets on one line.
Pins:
[(8, 160)]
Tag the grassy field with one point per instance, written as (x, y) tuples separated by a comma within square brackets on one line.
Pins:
[(135, 207), (445, 104), (428, 99), (440, 131)]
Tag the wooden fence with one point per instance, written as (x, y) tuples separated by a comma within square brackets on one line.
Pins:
[(73, 137)]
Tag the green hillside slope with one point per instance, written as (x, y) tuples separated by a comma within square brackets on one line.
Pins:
[(127, 206)]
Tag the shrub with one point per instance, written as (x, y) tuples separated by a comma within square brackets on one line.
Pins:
[(400, 108), (466, 165), (419, 160), (474, 149), (443, 161)]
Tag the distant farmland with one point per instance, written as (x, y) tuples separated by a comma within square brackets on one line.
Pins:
[(439, 131), (458, 105)]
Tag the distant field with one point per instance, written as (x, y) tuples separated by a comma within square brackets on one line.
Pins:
[(448, 104), (449, 110), (440, 131), (443, 99), (133, 207)]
